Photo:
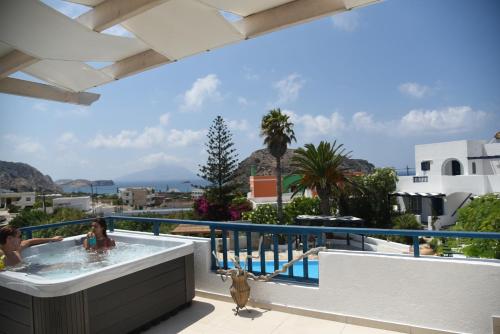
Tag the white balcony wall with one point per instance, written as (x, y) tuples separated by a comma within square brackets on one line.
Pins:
[(475, 184), (454, 295)]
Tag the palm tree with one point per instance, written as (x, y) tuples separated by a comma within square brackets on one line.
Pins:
[(277, 131), (321, 169)]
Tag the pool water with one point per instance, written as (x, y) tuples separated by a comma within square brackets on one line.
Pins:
[(74, 261), (298, 267)]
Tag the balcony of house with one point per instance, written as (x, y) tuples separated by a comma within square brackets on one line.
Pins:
[(475, 184), (331, 291)]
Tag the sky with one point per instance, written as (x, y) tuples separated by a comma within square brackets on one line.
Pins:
[(379, 80)]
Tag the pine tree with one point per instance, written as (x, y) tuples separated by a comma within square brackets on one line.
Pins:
[(221, 163)]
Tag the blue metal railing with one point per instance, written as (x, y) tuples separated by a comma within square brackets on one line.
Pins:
[(290, 231)]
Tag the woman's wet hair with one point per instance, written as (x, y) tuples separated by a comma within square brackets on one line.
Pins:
[(102, 223), (7, 231)]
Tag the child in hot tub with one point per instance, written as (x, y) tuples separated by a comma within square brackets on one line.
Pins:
[(97, 239), (11, 245)]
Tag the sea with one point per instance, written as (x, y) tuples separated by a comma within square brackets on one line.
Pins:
[(182, 186)]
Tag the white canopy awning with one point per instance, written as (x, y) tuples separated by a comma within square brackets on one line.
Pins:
[(46, 44)]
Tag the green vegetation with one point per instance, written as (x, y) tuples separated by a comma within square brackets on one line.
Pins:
[(221, 163), (481, 215), (405, 222), (263, 214), (370, 200), (28, 217), (278, 133), (268, 213), (321, 170), (301, 206)]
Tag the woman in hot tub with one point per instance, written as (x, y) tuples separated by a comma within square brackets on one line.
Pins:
[(11, 245), (97, 239)]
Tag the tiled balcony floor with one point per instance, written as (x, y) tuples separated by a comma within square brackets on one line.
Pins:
[(214, 316)]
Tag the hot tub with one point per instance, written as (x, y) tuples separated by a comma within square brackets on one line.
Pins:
[(104, 294)]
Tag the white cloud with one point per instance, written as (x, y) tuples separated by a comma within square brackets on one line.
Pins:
[(62, 111), (184, 137), (414, 89), (243, 101), (447, 120), (289, 88), (67, 138), (318, 125), (365, 121), (203, 89), (24, 144), (347, 21), (156, 159), (417, 122), (150, 137), (250, 74), (238, 125), (130, 139), (165, 119), (65, 142)]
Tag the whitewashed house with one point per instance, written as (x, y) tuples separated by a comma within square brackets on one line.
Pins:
[(448, 176), (137, 196), (83, 203), (21, 199)]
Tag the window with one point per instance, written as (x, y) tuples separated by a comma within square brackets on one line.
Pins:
[(473, 168), (425, 165), (413, 204), (28, 199), (437, 206)]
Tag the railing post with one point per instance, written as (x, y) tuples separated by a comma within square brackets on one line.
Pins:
[(29, 234), (156, 228), (416, 247), (262, 256), (224, 248), (320, 240), (213, 251), (236, 235), (362, 242), (276, 252), (348, 239), (305, 261), (290, 254), (111, 225), (249, 251)]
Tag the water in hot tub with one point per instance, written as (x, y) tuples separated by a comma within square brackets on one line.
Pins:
[(74, 261)]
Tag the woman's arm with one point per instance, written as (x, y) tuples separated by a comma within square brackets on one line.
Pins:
[(38, 241), (86, 243)]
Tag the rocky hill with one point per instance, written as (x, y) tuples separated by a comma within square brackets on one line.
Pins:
[(265, 164), (18, 176)]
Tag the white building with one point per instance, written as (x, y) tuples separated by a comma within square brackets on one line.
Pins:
[(137, 196), (197, 193), (448, 176), (21, 200), (83, 203)]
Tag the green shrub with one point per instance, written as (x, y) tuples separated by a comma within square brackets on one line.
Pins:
[(301, 206), (405, 222), (263, 214), (481, 215)]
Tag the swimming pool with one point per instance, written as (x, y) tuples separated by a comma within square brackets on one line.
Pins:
[(63, 289), (298, 268)]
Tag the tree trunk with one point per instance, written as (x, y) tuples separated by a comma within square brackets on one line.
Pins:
[(324, 202), (279, 190)]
